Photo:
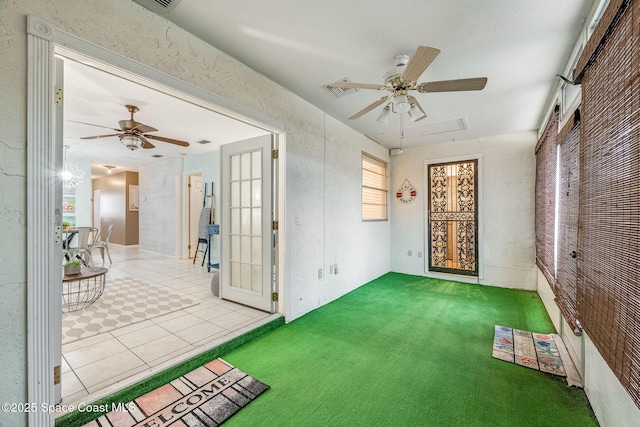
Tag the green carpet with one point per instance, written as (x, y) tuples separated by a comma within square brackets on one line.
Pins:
[(406, 351)]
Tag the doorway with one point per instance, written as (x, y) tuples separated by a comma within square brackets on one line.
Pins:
[(452, 222), (43, 307), (195, 203)]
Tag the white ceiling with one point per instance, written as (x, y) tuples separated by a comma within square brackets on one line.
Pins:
[(518, 45), (99, 98)]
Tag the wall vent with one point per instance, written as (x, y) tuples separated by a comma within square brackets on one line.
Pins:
[(161, 7), (339, 92)]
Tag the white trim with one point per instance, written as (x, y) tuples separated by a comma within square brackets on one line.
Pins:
[(44, 41), (40, 219), (480, 260)]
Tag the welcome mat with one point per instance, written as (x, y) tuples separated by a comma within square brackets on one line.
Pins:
[(123, 302), (206, 396), (535, 351)]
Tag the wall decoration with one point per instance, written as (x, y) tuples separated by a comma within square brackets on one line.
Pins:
[(406, 193), (134, 204)]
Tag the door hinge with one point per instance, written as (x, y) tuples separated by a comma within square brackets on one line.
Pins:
[(56, 375), (57, 95), (274, 296), (274, 225), (274, 154)]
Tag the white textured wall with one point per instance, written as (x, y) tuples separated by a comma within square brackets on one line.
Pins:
[(160, 221), (128, 29), (507, 207), (324, 217)]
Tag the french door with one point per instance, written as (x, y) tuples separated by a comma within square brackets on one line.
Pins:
[(453, 218), (247, 238)]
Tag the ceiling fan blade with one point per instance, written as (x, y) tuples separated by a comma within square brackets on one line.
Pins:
[(169, 140), (132, 124), (100, 136), (99, 126), (477, 83), (352, 85), (368, 108), (419, 62), (145, 142)]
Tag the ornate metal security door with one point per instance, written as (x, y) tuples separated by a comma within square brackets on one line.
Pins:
[(453, 218)]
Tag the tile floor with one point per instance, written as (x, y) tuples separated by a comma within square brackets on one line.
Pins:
[(95, 366)]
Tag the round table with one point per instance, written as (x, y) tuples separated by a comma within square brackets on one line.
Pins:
[(81, 290)]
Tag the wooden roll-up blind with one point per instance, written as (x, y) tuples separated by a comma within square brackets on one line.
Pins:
[(568, 207), (609, 236), (546, 159)]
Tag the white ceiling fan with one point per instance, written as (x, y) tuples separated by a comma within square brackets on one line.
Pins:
[(404, 78)]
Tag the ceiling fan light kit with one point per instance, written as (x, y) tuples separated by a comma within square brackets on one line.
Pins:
[(133, 134), (402, 78)]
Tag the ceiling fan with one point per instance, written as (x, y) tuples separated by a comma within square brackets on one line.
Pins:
[(133, 134), (404, 78)]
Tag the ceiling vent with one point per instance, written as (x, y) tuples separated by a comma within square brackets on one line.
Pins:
[(161, 7), (157, 155), (339, 92), (204, 142)]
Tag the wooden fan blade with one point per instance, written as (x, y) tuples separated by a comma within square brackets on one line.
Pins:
[(352, 85), (132, 124), (419, 62), (368, 108), (145, 142), (99, 126), (169, 140), (477, 83), (100, 136)]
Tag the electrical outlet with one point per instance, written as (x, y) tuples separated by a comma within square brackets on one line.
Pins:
[(419, 254), (319, 274), (409, 253), (297, 219), (335, 268), (331, 269)]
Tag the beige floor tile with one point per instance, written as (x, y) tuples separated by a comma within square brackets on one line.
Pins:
[(108, 368), (231, 320), (88, 355), (85, 342), (180, 323), (156, 349), (117, 378), (131, 328), (70, 384), (203, 331), (143, 336)]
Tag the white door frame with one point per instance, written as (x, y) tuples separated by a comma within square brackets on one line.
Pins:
[(43, 42)]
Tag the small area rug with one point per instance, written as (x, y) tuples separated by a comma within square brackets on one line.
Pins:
[(124, 301), (206, 396), (535, 351)]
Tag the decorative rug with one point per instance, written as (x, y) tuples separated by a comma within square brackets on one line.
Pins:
[(124, 301), (206, 396), (535, 351)]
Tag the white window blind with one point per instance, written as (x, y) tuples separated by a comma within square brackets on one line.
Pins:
[(374, 188)]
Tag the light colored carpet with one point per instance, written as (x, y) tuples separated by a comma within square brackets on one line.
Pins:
[(125, 301)]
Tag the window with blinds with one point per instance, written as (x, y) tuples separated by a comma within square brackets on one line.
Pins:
[(374, 188), (546, 160), (609, 213)]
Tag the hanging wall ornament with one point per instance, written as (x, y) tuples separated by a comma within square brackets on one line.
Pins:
[(406, 193)]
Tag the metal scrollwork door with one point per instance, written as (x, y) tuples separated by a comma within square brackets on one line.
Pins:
[(453, 218)]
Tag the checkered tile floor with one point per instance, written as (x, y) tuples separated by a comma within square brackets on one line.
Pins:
[(116, 355)]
